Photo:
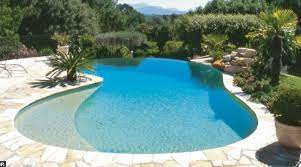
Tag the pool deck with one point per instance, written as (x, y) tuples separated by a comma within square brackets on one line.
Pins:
[(259, 149)]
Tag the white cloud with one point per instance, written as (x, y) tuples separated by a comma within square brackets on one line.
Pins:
[(183, 5)]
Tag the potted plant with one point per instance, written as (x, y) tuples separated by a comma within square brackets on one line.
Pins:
[(286, 108), (62, 42)]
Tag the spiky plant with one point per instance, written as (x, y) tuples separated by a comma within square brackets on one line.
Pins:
[(298, 40), (276, 38), (71, 63)]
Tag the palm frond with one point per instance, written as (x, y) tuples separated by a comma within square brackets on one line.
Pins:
[(298, 40)]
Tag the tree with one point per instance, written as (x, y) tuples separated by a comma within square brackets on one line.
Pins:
[(214, 45), (49, 16), (276, 39), (132, 17), (233, 7), (10, 18)]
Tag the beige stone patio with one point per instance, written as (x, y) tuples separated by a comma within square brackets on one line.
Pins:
[(259, 149)]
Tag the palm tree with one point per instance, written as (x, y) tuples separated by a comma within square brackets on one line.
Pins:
[(71, 63), (276, 37), (214, 45)]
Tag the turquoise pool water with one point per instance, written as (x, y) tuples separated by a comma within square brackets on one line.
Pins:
[(146, 105)]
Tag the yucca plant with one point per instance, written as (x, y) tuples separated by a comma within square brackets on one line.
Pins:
[(71, 63), (61, 39), (276, 39)]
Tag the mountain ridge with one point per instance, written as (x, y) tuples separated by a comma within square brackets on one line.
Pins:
[(155, 10)]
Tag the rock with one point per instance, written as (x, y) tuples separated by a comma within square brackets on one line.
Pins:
[(218, 64), (233, 54), (242, 50), (250, 53), (234, 69), (227, 58), (247, 53), (241, 61)]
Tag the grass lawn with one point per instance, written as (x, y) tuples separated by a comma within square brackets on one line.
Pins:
[(290, 80)]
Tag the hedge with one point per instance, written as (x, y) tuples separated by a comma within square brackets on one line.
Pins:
[(190, 28), (129, 39)]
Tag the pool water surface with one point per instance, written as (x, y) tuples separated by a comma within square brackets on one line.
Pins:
[(145, 105)]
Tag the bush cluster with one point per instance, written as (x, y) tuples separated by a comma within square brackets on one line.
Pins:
[(129, 39), (147, 49), (284, 100), (174, 49), (257, 87), (234, 6), (286, 105), (190, 28)]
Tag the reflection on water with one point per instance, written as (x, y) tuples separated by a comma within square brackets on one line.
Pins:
[(206, 75), (120, 62)]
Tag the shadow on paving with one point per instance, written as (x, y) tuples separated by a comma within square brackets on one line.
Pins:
[(58, 81), (277, 155)]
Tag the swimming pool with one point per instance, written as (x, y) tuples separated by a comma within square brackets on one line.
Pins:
[(145, 105)]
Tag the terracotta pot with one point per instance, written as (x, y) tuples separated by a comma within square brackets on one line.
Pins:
[(288, 136), (218, 64)]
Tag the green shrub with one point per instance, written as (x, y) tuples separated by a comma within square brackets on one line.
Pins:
[(129, 39), (140, 53), (87, 42), (124, 52), (10, 20), (46, 52), (284, 100), (61, 39), (112, 52), (8, 45), (190, 28), (258, 88), (286, 105), (148, 49), (174, 48), (38, 42), (106, 51), (235, 6)]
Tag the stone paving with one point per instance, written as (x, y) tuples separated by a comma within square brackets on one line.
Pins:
[(259, 149)]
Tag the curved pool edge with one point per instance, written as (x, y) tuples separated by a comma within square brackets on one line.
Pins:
[(90, 80), (233, 152)]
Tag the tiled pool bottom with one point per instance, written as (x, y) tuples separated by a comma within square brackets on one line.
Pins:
[(20, 151)]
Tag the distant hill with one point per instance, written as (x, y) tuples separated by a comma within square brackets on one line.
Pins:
[(155, 10)]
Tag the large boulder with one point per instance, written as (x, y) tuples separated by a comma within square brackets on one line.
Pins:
[(233, 54), (227, 58), (234, 69), (241, 61), (246, 52), (242, 50)]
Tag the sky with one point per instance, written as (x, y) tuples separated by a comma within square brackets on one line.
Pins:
[(183, 5)]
